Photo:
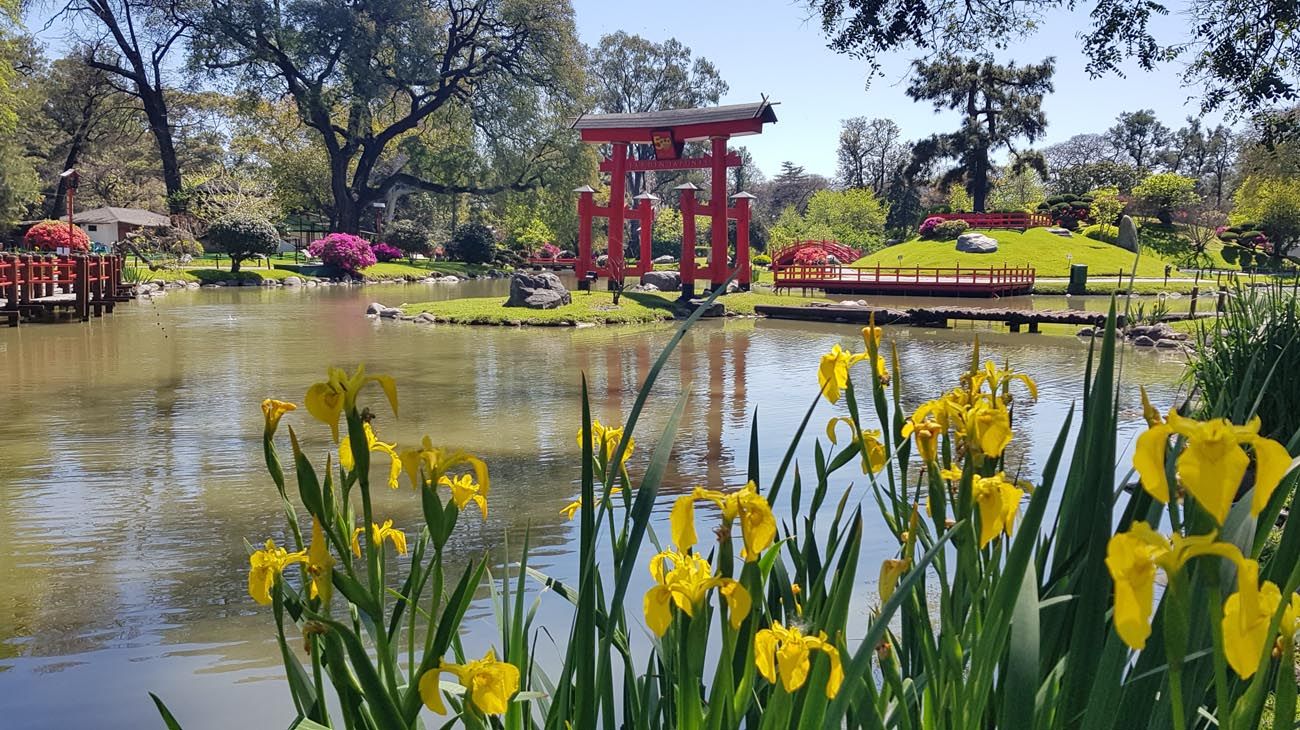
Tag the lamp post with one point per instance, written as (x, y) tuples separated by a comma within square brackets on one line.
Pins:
[(71, 178), (379, 207)]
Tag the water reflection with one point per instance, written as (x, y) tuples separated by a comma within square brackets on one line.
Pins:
[(131, 476)]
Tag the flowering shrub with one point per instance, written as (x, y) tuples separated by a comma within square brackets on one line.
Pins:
[(1068, 211), (385, 252), (949, 230), (344, 251), (752, 619), (928, 225), (812, 256), (49, 235), (549, 251)]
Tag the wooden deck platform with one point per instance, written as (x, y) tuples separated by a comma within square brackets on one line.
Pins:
[(39, 286), (940, 316)]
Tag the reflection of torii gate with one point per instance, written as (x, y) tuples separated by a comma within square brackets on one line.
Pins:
[(668, 131)]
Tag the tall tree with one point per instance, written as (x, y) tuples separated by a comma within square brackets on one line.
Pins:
[(1000, 104), (868, 152), (1138, 137), (1221, 148), (792, 188), (134, 40), (366, 76), (1187, 149), (628, 74), (1081, 149)]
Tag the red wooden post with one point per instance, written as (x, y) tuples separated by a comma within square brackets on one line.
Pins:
[(646, 203), (584, 235), (687, 265), (81, 288), (617, 209), (718, 201), (743, 199), (12, 295)]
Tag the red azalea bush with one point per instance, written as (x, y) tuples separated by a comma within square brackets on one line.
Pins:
[(344, 251), (50, 235), (385, 252), (811, 256), (927, 226)]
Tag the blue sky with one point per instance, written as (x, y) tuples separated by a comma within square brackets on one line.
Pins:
[(771, 47)]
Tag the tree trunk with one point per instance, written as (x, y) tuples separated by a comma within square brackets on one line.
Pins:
[(57, 207), (155, 109), (346, 216), (979, 183), (234, 265)]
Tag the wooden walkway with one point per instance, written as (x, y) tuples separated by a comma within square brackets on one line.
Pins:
[(941, 316), (35, 286), (914, 280)]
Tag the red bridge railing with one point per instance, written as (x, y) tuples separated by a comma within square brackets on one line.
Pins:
[(34, 283), (907, 280), (1017, 221)]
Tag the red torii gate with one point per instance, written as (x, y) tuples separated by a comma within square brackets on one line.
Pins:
[(668, 131)]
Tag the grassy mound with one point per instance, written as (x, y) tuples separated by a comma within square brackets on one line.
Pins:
[(1035, 247), (596, 307), (210, 276)]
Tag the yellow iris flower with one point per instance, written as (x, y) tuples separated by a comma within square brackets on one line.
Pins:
[(436, 463), (376, 446), (890, 571), (272, 411), (926, 431), (1000, 380), (988, 427), (1212, 464), (788, 651), (327, 400), (1132, 558), (572, 508), (871, 337), (999, 502), (871, 448), (1149, 412), (265, 566), (757, 524), (1246, 616), (686, 585), (604, 441), (319, 564), (489, 684), (379, 533), (833, 373), (465, 490)]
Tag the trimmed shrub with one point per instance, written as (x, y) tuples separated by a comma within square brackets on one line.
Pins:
[(762, 259), (343, 251), (49, 235), (242, 237), (812, 256), (409, 237), (385, 252), (1068, 210), (949, 230), (473, 243)]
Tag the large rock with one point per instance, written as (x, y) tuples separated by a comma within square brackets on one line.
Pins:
[(666, 260), (375, 308), (292, 281), (1128, 235), (537, 290), (976, 243), (662, 280), (1058, 231)]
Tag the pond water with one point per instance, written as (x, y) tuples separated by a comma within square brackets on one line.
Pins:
[(131, 472)]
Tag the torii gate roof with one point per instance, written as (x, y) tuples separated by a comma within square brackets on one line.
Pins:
[(687, 125)]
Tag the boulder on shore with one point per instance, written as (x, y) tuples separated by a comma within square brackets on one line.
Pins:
[(537, 290), (1128, 235), (976, 243), (666, 260), (375, 308), (662, 280)]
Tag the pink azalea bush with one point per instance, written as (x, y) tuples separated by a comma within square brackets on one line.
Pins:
[(50, 235), (344, 251), (385, 252), (927, 226), (550, 251)]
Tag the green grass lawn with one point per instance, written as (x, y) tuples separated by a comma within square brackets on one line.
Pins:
[(1036, 247), (395, 269), (595, 307), (210, 276)]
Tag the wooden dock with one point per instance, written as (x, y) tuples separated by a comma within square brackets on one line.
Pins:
[(941, 316), (913, 280), (36, 286)]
